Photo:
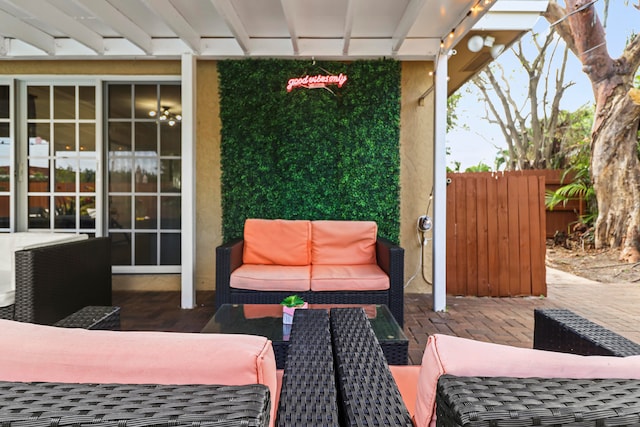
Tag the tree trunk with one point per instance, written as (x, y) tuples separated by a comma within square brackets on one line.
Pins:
[(615, 169), (615, 174)]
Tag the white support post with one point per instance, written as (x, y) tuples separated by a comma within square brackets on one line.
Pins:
[(440, 187), (188, 283)]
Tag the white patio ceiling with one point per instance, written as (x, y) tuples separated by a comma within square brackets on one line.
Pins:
[(326, 29)]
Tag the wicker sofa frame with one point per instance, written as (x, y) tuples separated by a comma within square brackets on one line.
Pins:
[(390, 258), (55, 281), (365, 384)]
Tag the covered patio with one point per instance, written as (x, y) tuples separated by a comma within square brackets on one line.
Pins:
[(106, 41)]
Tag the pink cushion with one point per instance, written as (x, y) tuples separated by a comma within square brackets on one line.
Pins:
[(277, 241), (343, 242), (45, 353), (361, 277), (464, 357), (271, 277)]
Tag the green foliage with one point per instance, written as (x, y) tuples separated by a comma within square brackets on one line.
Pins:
[(480, 167), (293, 301), (452, 114), (579, 187), (310, 154)]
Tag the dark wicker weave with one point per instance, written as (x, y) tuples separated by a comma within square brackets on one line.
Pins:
[(564, 331), (55, 281), (308, 396), (117, 405), (390, 258), (93, 317), (369, 395), (500, 401)]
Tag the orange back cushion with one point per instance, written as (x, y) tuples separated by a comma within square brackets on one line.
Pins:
[(343, 242), (277, 242)]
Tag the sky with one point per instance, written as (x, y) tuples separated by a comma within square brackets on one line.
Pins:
[(482, 141)]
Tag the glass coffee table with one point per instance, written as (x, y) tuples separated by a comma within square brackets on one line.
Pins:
[(266, 320)]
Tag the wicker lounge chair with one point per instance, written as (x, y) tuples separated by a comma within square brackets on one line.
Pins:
[(54, 281)]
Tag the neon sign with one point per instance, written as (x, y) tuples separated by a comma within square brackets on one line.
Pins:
[(317, 81)]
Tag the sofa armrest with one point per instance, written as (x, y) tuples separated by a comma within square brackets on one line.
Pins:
[(390, 258), (228, 258), (57, 280)]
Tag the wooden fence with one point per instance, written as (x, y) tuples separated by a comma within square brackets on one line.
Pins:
[(496, 234)]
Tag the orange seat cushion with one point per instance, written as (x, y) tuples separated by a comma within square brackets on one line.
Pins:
[(277, 242), (361, 277), (343, 242), (406, 378), (464, 357), (271, 277)]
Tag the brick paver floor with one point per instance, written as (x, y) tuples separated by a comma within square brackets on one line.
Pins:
[(510, 320)]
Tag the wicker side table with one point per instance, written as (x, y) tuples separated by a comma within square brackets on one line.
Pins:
[(93, 317), (124, 405), (502, 401), (368, 392)]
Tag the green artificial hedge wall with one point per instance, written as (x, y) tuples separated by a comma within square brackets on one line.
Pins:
[(310, 153)]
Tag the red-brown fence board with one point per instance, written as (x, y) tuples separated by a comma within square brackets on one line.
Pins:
[(496, 232)]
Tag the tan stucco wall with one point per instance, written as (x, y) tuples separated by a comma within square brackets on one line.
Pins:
[(416, 151), (416, 169)]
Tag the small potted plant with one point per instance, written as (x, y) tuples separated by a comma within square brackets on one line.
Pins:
[(289, 306)]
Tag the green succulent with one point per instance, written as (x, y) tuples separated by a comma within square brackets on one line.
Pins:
[(292, 301)]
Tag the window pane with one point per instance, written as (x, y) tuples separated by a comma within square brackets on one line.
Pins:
[(64, 137), (170, 97), (64, 102), (38, 102), (88, 170), (119, 101), (39, 212), (146, 212), (170, 249), (146, 249), (170, 138), (4, 211), (170, 218), (120, 212), (38, 175), (87, 107), (88, 138), (120, 169), (87, 212), (120, 248), (146, 175), (39, 137), (146, 137), (4, 102), (170, 179), (146, 100), (65, 175), (65, 213), (119, 136)]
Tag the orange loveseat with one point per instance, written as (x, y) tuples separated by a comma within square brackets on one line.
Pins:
[(325, 262)]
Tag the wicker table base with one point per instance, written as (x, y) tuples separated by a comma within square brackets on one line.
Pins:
[(501, 401)]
